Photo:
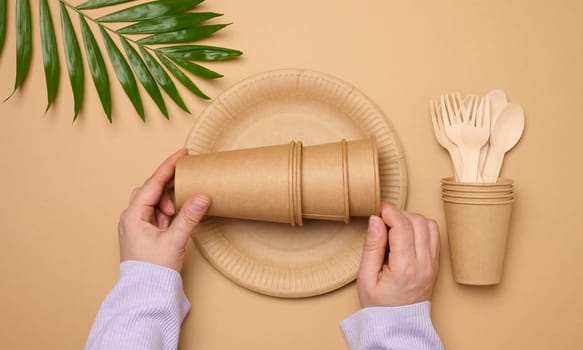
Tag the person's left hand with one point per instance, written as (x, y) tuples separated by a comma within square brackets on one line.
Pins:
[(146, 232), (400, 259)]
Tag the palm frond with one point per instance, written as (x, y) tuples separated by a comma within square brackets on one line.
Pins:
[(97, 67), (200, 52), (144, 76), (196, 69), (182, 35), (23, 41), (163, 79), (50, 54), (159, 22), (74, 60), (168, 23), (95, 4), (150, 10), (124, 73), (181, 76), (3, 15)]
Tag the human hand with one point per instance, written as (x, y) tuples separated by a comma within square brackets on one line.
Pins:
[(408, 275), (146, 232)]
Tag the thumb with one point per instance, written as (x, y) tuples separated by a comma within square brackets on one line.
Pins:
[(373, 252), (190, 215)]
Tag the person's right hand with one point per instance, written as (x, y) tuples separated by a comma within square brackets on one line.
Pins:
[(150, 230), (408, 275)]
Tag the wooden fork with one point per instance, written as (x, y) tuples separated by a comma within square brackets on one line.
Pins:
[(475, 133), (443, 139)]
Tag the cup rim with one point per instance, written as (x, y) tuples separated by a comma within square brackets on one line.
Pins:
[(475, 199), (477, 202), (480, 195), (501, 182), (455, 188)]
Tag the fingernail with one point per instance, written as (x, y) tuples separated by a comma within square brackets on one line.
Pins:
[(373, 225), (199, 204), (171, 205)]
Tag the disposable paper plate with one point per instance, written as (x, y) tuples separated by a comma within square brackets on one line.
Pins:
[(273, 108)]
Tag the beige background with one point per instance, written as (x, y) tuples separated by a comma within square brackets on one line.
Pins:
[(63, 185)]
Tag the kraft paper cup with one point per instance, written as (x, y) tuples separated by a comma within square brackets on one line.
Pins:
[(340, 180), (255, 184), (478, 201), (285, 183), (478, 190), (485, 200), (297, 195), (477, 224), (363, 177), (477, 240), (477, 195), (324, 182), (502, 183)]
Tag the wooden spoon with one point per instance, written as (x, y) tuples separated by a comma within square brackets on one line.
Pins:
[(498, 101), (506, 132)]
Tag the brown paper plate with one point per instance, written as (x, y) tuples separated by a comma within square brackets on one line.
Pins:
[(273, 108)]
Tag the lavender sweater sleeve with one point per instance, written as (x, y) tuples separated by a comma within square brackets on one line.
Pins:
[(144, 310), (146, 307), (405, 327)]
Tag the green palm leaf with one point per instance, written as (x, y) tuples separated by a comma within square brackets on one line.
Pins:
[(123, 73), (74, 60), (150, 10), (200, 52), (96, 67), (23, 41), (163, 79), (50, 55), (95, 4), (183, 35), (196, 69), (3, 15), (168, 23), (162, 21), (144, 76), (181, 77)]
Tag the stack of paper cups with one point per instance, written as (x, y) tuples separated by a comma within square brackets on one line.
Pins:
[(478, 218), (285, 183)]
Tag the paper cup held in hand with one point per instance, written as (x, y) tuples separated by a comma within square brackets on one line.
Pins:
[(285, 183), (363, 177), (246, 184), (324, 182), (340, 180)]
